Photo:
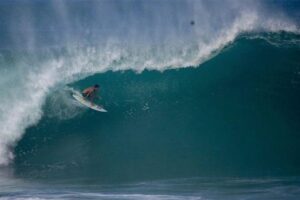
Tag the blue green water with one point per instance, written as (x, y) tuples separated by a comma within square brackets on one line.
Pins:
[(195, 111), (218, 119)]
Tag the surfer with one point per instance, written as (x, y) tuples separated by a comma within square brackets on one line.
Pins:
[(87, 96), (90, 92)]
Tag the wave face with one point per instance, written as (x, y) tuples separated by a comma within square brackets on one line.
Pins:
[(47, 45), (236, 115)]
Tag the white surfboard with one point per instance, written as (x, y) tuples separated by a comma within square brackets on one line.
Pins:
[(87, 103)]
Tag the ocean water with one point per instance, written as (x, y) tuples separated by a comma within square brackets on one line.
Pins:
[(202, 99)]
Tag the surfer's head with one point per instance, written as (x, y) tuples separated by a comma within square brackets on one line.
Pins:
[(96, 86)]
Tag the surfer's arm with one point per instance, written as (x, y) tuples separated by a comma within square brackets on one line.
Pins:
[(87, 93)]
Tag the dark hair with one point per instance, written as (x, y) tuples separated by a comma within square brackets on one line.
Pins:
[(96, 85)]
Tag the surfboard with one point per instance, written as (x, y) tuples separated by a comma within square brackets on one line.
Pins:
[(77, 96)]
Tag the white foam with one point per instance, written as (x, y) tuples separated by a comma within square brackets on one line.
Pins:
[(61, 106), (25, 86)]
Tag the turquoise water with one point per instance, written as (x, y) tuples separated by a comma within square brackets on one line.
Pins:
[(208, 110), (220, 119)]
